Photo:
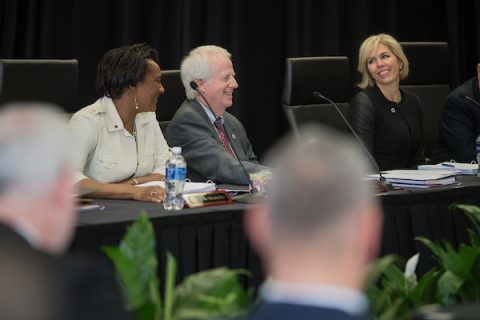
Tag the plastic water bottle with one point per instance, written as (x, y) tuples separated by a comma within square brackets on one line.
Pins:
[(175, 174), (477, 147)]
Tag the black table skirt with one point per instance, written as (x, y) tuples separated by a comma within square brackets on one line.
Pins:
[(199, 239), (213, 236)]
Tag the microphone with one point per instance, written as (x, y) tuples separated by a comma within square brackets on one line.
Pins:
[(194, 86), (385, 185)]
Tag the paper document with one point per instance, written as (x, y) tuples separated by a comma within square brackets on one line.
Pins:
[(190, 187), (457, 167), (417, 178)]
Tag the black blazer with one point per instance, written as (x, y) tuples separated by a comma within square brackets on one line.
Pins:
[(393, 133), (459, 125), (54, 288)]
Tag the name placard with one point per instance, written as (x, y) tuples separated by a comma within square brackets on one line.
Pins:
[(204, 199)]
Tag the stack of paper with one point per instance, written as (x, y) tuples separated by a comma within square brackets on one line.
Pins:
[(417, 178), (457, 167), (190, 187)]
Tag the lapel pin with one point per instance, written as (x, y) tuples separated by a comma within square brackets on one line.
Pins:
[(234, 136)]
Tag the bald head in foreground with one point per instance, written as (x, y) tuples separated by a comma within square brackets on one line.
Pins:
[(317, 231), (37, 220)]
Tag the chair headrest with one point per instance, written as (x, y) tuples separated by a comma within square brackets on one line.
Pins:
[(429, 62), (328, 75), (174, 95), (53, 81)]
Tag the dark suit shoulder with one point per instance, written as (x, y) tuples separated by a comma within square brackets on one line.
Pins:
[(95, 291), (465, 89), (280, 311), (187, 108), (55, 287)]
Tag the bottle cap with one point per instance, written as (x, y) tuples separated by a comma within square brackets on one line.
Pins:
[(176, 150)]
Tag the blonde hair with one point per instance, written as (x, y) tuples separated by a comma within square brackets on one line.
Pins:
[(372, 43)]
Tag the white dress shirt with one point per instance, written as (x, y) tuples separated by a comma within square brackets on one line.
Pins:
[(106, 152)]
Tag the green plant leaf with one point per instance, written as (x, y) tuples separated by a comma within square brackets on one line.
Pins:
[(378, 267), (169, 286), (458, 262), (424, 292), (145, 312), (138, 245), (435, 248), (136, 266), (468, 292), (127, 277), (458, 279), (397, 278), (389, 290), (448, 286), (396, 311), (474, 238), (216, 291), (472, 212)]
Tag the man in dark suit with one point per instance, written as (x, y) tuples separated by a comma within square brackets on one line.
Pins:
[(460, 123), (317, 230), (37, 220), (211, 139)]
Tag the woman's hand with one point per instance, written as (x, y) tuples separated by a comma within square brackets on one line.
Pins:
[(151, 193)]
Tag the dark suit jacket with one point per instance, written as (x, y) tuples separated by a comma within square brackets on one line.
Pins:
[(206, 157), (392, 133), (284, 311), (459, 125), (36, 285)]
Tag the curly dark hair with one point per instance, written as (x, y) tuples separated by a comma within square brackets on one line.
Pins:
[(122, 67)]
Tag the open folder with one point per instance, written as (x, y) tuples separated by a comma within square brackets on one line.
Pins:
[(190, 187)]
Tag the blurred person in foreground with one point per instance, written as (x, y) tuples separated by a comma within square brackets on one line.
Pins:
[(387, 118), (211, 139), (37, 221), (119, 143), (460, 123), (317, 231)]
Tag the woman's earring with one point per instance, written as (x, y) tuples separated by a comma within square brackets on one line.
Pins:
[(136, 101), (401, 67)]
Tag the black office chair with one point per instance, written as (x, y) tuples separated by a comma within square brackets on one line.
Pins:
[(170, 101), (328, 75), (429, 78), (53, 81)]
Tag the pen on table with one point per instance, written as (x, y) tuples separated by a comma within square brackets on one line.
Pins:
[(448, 165)]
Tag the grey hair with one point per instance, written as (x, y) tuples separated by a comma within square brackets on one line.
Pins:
[(316, 179), (34, 147), (198, 65)]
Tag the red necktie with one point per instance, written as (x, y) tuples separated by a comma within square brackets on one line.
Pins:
[(221, 134)]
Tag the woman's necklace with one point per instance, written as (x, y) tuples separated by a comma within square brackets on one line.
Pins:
[(134, 132), (396, 102)]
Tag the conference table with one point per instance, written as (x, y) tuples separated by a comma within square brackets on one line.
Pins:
[(209, 237)]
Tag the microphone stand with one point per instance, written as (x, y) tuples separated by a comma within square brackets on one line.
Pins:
[(383, 183)]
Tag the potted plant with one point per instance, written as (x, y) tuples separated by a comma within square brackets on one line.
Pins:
[(204, 295), (394, 294)]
